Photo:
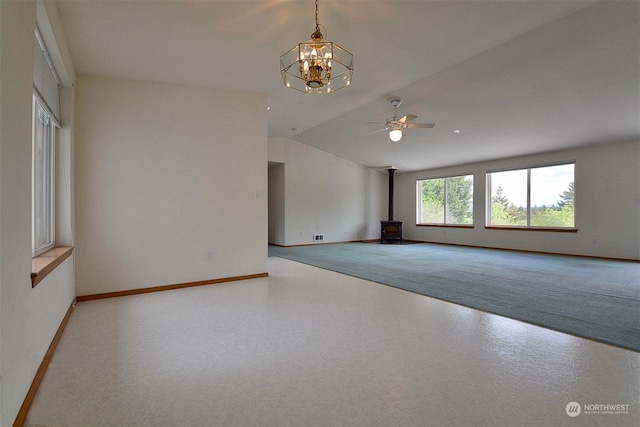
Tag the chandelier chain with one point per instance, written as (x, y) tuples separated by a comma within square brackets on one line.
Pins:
[(317, 23)]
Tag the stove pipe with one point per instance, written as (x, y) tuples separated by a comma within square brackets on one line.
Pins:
[(391, 172)]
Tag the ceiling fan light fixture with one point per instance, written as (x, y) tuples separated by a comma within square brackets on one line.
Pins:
[(395, 135), (317, 65), (397, 125)]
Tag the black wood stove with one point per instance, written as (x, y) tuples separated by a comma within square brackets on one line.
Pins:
[(390, 230)]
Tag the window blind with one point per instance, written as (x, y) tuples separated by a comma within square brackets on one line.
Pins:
[(45, 79)]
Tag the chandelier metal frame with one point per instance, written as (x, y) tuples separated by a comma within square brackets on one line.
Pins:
[(317, 65)]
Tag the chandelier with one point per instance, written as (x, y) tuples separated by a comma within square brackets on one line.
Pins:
[(317, 65)]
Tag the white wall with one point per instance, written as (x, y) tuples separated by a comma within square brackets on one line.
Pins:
[(165, 174), (29, 318), (325, 194), (607, 191)]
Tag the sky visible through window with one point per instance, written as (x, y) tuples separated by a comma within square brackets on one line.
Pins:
[(547, 183)]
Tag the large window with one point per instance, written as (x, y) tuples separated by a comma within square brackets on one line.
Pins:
[(46, 114), (532, 197), (43, 179), (446, 201)]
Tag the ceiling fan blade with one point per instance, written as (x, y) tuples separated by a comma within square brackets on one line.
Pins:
[(376, 131), (407, 118), (420, 125)]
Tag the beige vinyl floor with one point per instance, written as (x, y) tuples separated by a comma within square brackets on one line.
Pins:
[(310, 347)]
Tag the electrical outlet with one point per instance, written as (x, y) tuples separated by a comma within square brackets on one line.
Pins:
[(594, 241), (318, 237), (209, 256)]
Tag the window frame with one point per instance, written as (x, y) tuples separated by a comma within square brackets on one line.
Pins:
[(43, 184), (528, 226), (445, 195)]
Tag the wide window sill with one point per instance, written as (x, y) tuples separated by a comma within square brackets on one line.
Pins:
[(446, 225), (44, 264), (551, 229)]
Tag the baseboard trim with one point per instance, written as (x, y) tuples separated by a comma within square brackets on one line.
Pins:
[(528, 251), (28, 400), (322, 243), (476, 246), (92, 297)]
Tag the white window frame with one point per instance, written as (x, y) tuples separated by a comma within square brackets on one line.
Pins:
[(446, 189), (43, 179), (528, 225)]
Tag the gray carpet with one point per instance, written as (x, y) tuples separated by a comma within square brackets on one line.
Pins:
[(591, 298)]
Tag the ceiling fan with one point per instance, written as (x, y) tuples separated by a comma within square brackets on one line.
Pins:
[(396, 125)]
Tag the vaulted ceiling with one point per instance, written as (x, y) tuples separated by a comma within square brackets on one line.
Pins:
[(514, 77)]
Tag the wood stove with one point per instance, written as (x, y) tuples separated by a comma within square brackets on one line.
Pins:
[(390, 230)]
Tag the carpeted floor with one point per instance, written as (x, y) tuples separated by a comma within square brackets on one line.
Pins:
[(591, 298)]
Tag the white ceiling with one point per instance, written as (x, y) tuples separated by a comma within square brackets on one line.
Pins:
[(516, 77)]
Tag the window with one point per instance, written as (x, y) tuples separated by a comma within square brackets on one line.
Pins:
[(446, 200), (42, 179), (533, 197), (46, 113)]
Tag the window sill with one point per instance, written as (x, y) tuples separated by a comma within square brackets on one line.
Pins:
[(44, 264), (446, 225), (551, 229)]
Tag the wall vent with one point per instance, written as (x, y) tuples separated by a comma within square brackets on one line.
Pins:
[(318, 237)]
